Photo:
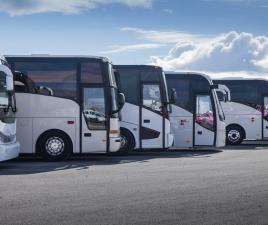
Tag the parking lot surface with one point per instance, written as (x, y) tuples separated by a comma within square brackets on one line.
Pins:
[(180, 187)]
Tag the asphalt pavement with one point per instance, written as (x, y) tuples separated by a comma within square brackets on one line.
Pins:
[(181, 187)]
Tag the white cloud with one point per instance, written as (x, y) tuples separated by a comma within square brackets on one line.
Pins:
[(131, 48), (166, 37), (26, 7), (230, 52)]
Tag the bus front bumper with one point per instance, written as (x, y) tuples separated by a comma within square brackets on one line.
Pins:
[(9, 151), (115, 144)]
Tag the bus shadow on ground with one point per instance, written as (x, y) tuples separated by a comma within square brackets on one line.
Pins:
[(30, 165), (248, 145)]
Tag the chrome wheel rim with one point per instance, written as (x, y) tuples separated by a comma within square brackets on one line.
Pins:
[(54, 146), (234, 135), (124, 142)]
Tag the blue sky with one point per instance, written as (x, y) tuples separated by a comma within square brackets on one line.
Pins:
[(176, 34)]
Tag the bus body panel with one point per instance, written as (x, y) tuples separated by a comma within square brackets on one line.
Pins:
[(152, 129), (195, 119), (182, 127), (25, 134), (247, 107), (203, 136), (130, 121), (43, 113), (145, 114), (41, 125), (169, 138), (9, 151), (245, 116), (72, 94), (221, 134), (114, 138)]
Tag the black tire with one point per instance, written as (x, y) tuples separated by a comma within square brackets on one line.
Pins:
[(128, 141), (234, 135), (54, 145)]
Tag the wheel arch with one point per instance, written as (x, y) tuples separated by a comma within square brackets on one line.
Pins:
[(123, 129), (49, 131), (237, 125)]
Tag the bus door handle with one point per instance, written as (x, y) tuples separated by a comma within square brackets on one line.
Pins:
[(199, 132), (87, 134), (146, 121)]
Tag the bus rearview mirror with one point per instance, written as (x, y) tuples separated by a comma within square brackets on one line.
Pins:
[(121, 100), (173, 96)]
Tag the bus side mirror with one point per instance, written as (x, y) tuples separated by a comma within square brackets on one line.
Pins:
[(221, 96), (121, 100), (173, 96)]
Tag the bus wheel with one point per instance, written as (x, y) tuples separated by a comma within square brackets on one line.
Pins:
[(54, 146), (234, 135), (128, 142)]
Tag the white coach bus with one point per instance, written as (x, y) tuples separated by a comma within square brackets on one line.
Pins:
[(66, 104), (9, 147), (145, 116), (197, 119), (247, 112)]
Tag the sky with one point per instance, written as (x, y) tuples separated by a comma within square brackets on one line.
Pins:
[(221, 37)]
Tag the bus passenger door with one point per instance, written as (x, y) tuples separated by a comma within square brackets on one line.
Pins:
[(151, 124), (204, 118), (265, 117), (93, 120)]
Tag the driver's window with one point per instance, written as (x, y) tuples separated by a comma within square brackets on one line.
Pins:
[(152, 97), (94, 108)]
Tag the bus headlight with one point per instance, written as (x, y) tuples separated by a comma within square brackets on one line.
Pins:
[(6, 139)]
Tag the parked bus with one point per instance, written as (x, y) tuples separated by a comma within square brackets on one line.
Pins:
[(197, 119), (247, 112), (9, 147), (145, 116), (66, 104)]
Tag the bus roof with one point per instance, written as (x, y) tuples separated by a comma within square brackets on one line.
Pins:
[(208, 78), (139, 66), (60, 56), (241, 78)]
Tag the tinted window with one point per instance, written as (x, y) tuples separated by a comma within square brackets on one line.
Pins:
[(129, 85), (150, 75), (56, 79), (200, 84), (91, 73), (246, 92), (184, 95)]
